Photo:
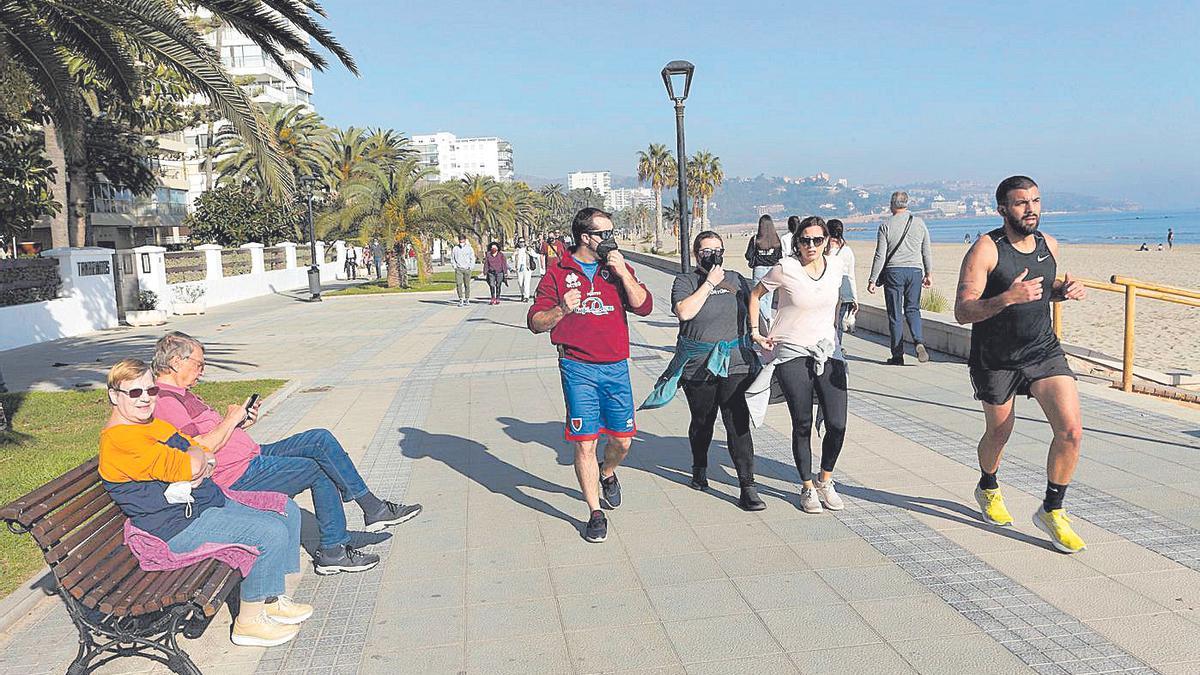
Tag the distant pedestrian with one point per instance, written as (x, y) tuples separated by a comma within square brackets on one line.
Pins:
[(714, 363), (966, 237), (841, 253), (377, 257), (524, 261), (1170, 238), (351, 264), (582, 300), (785, 239), (803, 358), (495, 265), (762, 253), (366, 261), (462, 259), (903, 265)]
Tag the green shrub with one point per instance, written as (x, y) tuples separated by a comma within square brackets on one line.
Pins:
[(932, 301)]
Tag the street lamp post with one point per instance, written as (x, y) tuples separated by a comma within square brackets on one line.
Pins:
[(680, 72), (314, 270)]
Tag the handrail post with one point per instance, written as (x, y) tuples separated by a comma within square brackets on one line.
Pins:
[(1056, 313), (1127, 359)]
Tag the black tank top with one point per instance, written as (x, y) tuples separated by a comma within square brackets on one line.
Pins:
[(1020, 335)]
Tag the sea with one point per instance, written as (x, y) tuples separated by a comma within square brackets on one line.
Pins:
[(1108, 227)]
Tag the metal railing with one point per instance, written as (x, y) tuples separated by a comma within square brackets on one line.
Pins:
[(1131, 289)]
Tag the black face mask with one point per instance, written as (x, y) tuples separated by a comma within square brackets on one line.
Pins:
[(709, 262), (604, 248)]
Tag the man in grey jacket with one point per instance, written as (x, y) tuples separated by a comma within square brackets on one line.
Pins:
[(903, 264), (462, 259)]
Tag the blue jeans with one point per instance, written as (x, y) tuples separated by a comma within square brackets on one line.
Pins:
[(902, 293), (765, 309), (275, 535), (311, 460)]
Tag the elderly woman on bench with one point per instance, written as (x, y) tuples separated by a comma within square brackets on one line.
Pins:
[(160, 479)]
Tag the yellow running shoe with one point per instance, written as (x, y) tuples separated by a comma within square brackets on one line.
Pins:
[(991, 507), (1056, 524)]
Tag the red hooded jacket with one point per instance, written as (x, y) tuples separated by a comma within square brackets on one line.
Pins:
[(597, 331)]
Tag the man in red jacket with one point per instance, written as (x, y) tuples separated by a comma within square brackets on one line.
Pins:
[(582, 300)]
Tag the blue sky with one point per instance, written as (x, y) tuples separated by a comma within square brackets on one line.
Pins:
[(1100, 98)]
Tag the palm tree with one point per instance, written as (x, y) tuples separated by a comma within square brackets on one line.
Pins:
[(657, 166), (298, 136), (345, 154), (704, 177), (51, 42), (556, 203), (401, 207), (671, 216), (480, 199)]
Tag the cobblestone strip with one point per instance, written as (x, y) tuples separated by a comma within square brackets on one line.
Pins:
[(334, 639), (1155, 532), (1048, 640), (1145, 421)]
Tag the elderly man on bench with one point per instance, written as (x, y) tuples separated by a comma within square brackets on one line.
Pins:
[(311, 460)]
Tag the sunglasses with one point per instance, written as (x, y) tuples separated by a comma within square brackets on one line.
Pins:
[(137, 393), (705, 252), (602, 234), (811, 241)]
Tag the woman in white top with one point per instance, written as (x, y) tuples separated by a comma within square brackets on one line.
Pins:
[(520, 262), (804, 351), (840, 252)]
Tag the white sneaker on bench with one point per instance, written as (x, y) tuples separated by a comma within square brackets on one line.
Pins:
[(261, 630)]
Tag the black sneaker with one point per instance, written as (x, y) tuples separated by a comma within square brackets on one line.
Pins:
[(389, 514), (345, 559), (596, 530), (922, 353), (699, 478), (894, 361), (610, 492)]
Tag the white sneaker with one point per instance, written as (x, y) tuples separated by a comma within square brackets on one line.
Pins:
[(828, 496), (808, 500), (261, 630)]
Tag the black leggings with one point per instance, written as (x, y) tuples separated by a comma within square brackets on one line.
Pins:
[(727, 395), (798, 380)]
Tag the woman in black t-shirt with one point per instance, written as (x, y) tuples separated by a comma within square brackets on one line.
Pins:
[(714, 363), (763, 252)]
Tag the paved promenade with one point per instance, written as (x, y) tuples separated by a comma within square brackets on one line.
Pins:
[(461, 410)]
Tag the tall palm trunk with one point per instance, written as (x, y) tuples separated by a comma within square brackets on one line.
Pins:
[(393, 271), (658, 217), (59, 234), (77, 191), (704, 222)]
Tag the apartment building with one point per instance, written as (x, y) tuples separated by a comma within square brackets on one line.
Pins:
[(624, 198), (456, 158), (599, 182)]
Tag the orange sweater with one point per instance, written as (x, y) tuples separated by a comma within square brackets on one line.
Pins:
[(141, 452)]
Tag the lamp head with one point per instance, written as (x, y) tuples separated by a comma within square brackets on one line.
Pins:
[(677, 75)]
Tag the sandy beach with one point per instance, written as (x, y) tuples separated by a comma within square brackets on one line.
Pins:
[(1167, 335)]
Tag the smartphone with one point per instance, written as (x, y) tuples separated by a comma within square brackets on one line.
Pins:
[(249, 406)]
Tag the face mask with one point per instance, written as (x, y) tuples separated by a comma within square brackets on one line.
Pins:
[(709, 262), (607, 246)]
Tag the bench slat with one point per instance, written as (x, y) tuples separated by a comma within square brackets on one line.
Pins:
[(79, 545), (112, 579), (29, 509), (216, 588), (55, 526), (81, 579), (148, 602)]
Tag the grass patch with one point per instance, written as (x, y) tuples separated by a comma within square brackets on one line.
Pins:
[(440, 281), (54, 431), (932, 301)]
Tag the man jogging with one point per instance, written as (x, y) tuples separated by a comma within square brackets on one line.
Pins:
[(462, 259), (582, 300), (1005, 288)]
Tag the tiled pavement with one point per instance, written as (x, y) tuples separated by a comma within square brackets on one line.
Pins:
[(461, 409)]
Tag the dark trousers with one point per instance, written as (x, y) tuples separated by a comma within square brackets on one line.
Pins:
[(726, 395), (495, 282), (799, 382), (902, 293)]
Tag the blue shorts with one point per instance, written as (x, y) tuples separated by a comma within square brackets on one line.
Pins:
[(599, 400)]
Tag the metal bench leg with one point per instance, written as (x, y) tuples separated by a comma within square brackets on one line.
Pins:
[(154, 641)]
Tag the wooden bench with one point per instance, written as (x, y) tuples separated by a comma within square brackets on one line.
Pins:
[(119, 609)]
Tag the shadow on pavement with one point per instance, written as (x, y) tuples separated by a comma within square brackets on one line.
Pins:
[(472, 459), (310, 535)]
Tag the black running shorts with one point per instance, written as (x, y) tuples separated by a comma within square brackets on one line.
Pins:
[(998, 386)]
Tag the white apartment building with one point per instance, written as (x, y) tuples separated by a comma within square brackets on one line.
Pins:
[(624, 198), (455, 158), (600, 182)]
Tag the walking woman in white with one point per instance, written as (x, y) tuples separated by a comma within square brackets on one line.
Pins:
[(803, 354), (523, 263), (839, 252), (762, 253)]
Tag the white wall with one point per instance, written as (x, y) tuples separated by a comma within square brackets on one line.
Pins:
[(86, 303)]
